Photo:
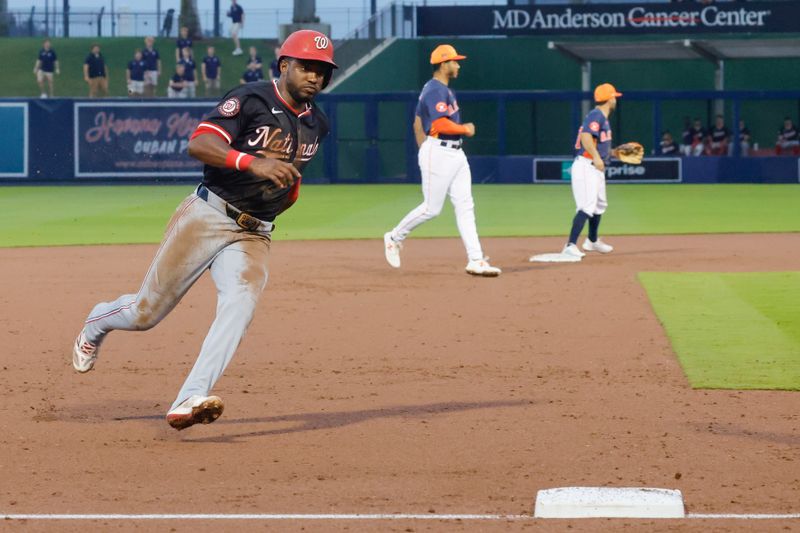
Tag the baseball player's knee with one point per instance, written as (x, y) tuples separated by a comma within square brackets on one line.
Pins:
[(464, 206), (431, 211)]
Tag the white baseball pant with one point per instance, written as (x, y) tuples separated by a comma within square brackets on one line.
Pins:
[(199, 237), (588, 187), (445, 171)]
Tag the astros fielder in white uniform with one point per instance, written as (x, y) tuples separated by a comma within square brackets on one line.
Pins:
[(443, 165), (592, 154)]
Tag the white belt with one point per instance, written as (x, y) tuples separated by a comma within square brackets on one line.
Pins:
[(242, 219)]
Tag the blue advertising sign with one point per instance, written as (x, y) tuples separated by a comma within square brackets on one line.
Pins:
[(136, 139), (652, 170), (14, 140), (653, 19)]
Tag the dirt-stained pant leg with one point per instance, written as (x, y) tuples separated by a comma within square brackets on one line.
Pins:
[(193, 238), (240, 273)]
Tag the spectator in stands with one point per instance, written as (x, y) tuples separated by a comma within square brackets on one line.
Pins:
[(698, 138), (212, 72), (134, 75), (152, 70), (95, 73), (254, 59), (177, 84), (236, 14), (788, 142), (253, 73), (667, 145), (686, 137), (718, 137), (189, 68), (275, 67), (45, 66), (166, 29), (184, 41), (744, 140)]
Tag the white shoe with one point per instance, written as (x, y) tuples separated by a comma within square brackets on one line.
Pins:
[(43, 95), (195, 410), (572, 251), (597, 246), (482, 268), (238, 52), (84, 353), (391, 250)]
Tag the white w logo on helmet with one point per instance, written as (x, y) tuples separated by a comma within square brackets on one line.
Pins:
[(321, 42)]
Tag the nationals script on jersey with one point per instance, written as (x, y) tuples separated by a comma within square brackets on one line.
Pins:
[(253, 118)]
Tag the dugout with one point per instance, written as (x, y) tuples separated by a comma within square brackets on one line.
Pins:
[(717, 52)]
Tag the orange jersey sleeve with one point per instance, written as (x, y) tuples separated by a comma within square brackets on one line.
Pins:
[(446, 126)]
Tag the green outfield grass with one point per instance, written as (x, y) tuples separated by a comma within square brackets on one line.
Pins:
[(19, 81), (39, 216), (731, 331)]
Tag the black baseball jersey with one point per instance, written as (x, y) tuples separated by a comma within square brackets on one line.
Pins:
[(719, 135), (789, 134), (254, 119)]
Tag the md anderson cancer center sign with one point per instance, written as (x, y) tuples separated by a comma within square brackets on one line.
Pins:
[(755, 17)]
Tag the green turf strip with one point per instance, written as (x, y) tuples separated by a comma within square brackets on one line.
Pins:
[(39, 216), (731, 331)]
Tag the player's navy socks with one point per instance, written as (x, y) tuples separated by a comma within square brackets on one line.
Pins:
[(577, 226), (594, 223)]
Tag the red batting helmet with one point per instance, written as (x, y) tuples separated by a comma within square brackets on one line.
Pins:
[(309, 45)]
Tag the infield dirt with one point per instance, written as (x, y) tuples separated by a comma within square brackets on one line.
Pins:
[(363, 389)]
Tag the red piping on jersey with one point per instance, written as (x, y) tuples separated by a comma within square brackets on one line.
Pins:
[(208, 127), (293, 110), (446, 126)]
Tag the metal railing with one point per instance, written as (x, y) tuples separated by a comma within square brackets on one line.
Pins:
[(259, 23)]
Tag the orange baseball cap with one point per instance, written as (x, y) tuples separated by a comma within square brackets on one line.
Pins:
[(444, 52), (605, 92)]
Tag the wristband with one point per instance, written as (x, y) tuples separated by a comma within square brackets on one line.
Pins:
[(238, 160)]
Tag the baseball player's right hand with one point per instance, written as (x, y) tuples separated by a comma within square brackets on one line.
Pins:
[(470, 129), (598, 164), (278, 172)]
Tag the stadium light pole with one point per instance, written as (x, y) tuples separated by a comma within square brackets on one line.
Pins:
[(66, 18), (216, 18)]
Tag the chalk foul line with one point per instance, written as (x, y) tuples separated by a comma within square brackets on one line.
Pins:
[(399, 516)]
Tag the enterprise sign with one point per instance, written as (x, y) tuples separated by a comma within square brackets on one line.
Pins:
[(758, 17)]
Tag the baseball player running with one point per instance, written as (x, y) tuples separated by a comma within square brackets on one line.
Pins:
[(253, 144), (593, 152), (443, 165)]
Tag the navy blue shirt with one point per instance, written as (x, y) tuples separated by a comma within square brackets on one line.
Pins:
[(257, 60), (137, 69), (150, 58), (180, 44), (275, 68), (177, 78), (437, 100), (47, 60), (97, 65), (235, 13), (189, 66), (212, 64), (598, 126), (250, 76)]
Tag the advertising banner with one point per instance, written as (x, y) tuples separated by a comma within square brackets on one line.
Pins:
[(136, 139), (14, 140), (652, 170), (608, 19)]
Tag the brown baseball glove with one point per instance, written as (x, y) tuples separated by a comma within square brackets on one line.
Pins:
[(631, 152)]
